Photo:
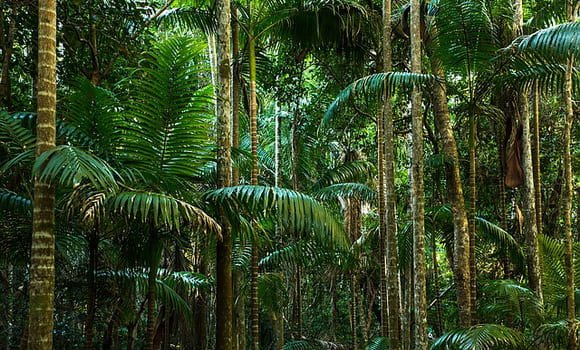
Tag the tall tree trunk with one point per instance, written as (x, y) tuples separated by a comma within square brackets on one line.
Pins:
[(240, 300), (92, 289), (155, 256), (224, 290), (254, 302), (41, 290), (568, 194), (353, 313), (7, 48), (297, 276), (390, 226), (529, 208), (529, 193), (417, 191), (471, 218), (461, 250), (536, 158)]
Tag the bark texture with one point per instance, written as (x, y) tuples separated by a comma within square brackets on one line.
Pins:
[(392, 255), (417, 190), (41, 291), (461, 270), (567, 194), (224, 294)]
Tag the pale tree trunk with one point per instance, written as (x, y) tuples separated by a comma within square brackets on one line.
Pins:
[(155, 255), (568, 194), (382, 219), (529, 193), (224, 289), (536, 158), (392, 271), (461, 249), (471, 221), (41, 290), (417, 190), (529, 207)]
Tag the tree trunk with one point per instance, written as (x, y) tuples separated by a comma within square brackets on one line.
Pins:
[(392, 263), (41, 290), (7, 48), (461, 271), (529, 208), (536, 158), (568, 195), (471, 219), (254, 301), (240, 300), (92, 289), (224, 289), (155, 255), (417, 191)]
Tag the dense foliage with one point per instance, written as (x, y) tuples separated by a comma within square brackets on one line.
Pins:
[(320, 208)]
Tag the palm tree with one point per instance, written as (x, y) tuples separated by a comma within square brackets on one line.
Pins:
[(224, 293), (41, 290), (417, 190), (387, 206)]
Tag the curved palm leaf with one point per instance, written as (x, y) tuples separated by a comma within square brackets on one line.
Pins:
[(293, 209), (554, 44), (464, 36), (346, 190), (14, 202), (376, 85), (378, 343), (481, 337), (166, 135), (161, 209), (69, 166)]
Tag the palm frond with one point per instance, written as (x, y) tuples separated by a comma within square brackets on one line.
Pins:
[(161, 209), (191, 17), (292, 209), (14, 202), (378, 343), (356, 171), (70, 166), (464, 35), (481, 337), (346, 190), (312, 345), (167, 129), (555, 43), (376, 85)]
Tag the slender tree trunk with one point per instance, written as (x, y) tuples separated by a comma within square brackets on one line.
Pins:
[(297, 276), (471, 218), (155, 252), (461, 247), (200, 298), (353, 313), (41, 290), (7, 48), (529, 208), (536, 158), (254, 302), (568, 195), (392, 271), (224, 290), (529, 193), (417, 191), (382, 220), (240, 300), (92, 289)]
